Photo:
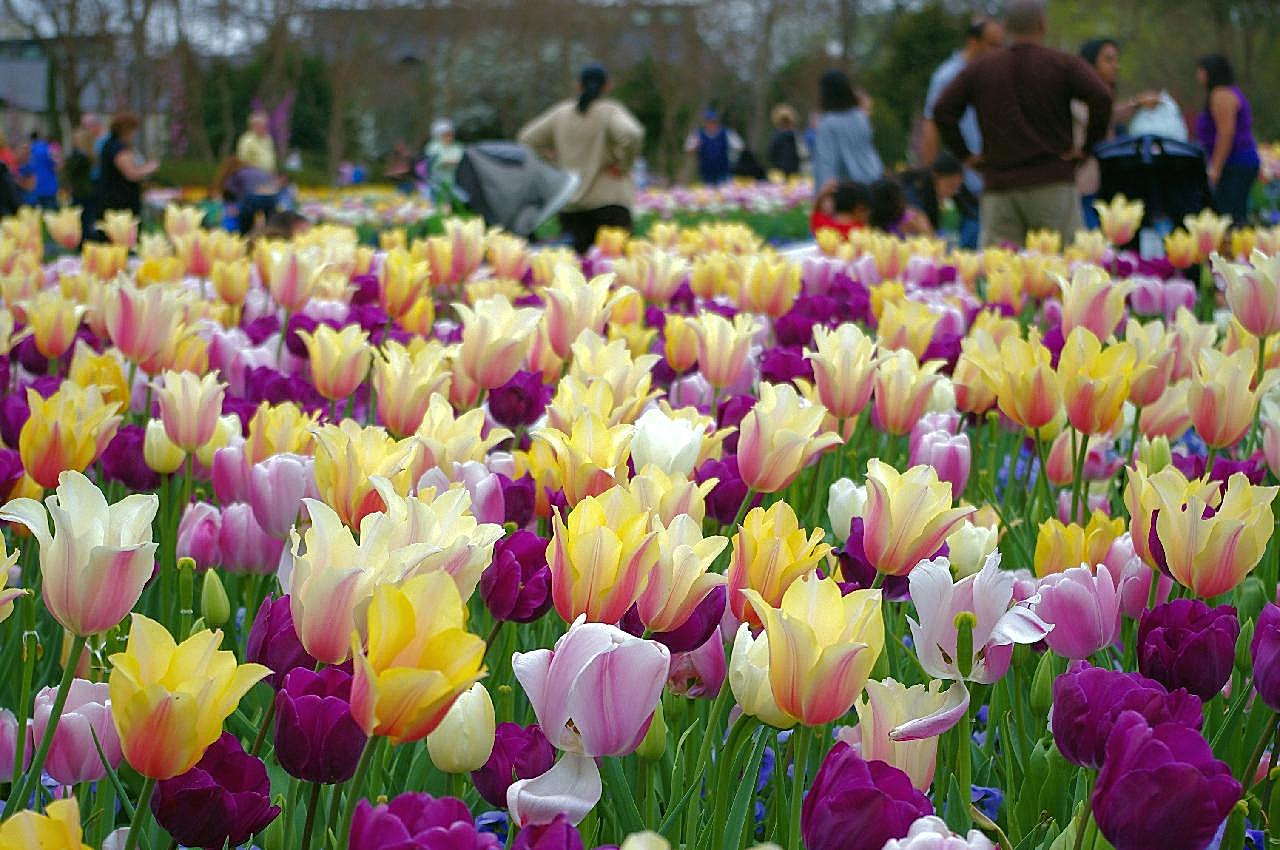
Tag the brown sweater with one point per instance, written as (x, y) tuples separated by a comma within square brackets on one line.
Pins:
[(1023, 95)]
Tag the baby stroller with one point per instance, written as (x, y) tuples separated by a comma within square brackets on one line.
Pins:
[(1167, 175), (508, 186)]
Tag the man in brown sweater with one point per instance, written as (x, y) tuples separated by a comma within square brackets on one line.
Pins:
[(1022, 95)]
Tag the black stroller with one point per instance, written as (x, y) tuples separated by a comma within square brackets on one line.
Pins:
[(508, 186), (1167, 175)]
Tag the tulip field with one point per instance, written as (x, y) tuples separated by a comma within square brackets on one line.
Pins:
[(455, 543)]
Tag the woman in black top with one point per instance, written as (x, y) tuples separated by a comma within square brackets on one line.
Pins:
[(785, 146), (121, 173)]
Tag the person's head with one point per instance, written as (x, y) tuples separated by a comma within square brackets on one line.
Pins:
[(258, 122), (1214, 70), (82, 139), (852, 200), (887, 204), (593, 80), (784, 117), (711, 120), (1024, 20), (442, 130), (948, 175), (92, 122), (1103, 54), (983, 36), (124, 126), (835, 92)]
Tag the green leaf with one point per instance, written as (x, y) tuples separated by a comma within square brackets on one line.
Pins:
[(675, 811), (744, 796), (619, 791), (121, 794)]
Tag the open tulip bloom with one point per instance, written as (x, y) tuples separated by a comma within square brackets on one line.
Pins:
[(688, 542)]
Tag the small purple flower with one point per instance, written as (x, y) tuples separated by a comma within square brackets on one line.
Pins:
[(519, 402), (417, 821), (855, 804), (1187, 644), (273, 641), (519, 752), (14, 413), (316, 738), (365, 289), (516, 585), (519, 497)]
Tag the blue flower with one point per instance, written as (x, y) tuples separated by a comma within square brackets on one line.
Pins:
[(988, 800)]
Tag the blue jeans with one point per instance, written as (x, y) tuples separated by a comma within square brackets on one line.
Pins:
[(1091, 220), (1231, 195)]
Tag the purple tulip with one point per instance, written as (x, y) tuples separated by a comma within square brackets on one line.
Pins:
[(122, 460), (198, 534), (518, 498), (317, 739), (519, 752), (11, 472), (1187, 644), (1265, 652), (417, 821), (858, 805), (729, 414), (781, 365), (26, 353), (225, 798), (557, 835), (520, 401), (516, 586), (1088, 700), (261, 329), (858, 573), (1161, 787), (14, 413), (366, 289), (273, 641), (695, 631), (726, 497)]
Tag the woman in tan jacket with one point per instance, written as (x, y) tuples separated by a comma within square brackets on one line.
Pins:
[(598, 139)]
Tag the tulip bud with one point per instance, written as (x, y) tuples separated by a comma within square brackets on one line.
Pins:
[(1042, 684), (655, 740), (1243, 661), (215, 608), (645, 841), (845, 500), (1155, 453), (1250, 597), (464, 739), (159, 451), (965, 621)]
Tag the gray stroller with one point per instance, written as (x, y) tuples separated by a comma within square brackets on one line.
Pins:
[(508, 186)]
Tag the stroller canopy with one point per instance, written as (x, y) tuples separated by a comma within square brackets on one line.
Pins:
[(1166, 174), (508, 186)]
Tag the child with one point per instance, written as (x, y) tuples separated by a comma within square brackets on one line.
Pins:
[(888, 211), (841, 207)]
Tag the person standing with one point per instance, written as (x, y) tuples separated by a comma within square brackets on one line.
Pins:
[(1224, 129), (256, 146), (982, 37), (1022, 96), (443, 154), (597, 138), (122, 168), (41, 171), (715, 147), (785, 148), (844, 148)]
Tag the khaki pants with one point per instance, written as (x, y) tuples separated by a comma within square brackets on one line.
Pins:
[(1007, 216)]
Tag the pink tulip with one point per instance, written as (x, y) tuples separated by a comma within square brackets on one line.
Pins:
[(231, 475), (947, 422), (277, 487), (1093, 502), (596, 691), (921, 271), (1147, 297), (948, 454), (245, 547), (1083, 608), (73, 758), (9, 743), (224, 345), (865, 270), (571, 787), (692, 389), (699, 673), (987, 595), (1133, 578), (1178, 293), (487, 503), (198, 534)]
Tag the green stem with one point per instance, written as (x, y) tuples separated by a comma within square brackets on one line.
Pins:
[(30, 646), (262, 730), (331, 825), (724, 789), (355, 786), (1086, 812), (140, 813), (1251, 766), (20, 794), (801, 738), (1257, 410), (742, 510), (964, 769)]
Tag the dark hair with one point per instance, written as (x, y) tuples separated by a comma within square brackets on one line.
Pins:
[(592, 78), (976, 28), (123, 123), (946, 165), (887, 204), (1217, 71), (850, 195), (835, 92), (1092, 49)]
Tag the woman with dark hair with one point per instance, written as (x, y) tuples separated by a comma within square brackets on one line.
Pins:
[(1225, 130), (598, 139), (122, 169), (844, 148), (254, 192)]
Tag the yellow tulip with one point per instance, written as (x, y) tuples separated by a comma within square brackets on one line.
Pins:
[(53, 320), (680, 342), (169, 700), (771, 551), (1095, 382), (180, 220), (1006, 286), (1220, 399), (64, 226), (495, 339), (1153, 361), (681, 579), (749, 679), (907, 324), (779, 437), (669, 496), (347, 456), (710, 274), (1044, 241), (1120, 219), (159, 452), (822, 646), (446, 439), (907, 517), (121, 227), (844, 366), (628, 377), (723, 346), (189, 407), (67, 430), (420, 659), (1180, 249), (405, 381), (1028, 389), (57, 829), (591, 457), (574, 304), (231, 280), (402, 281), (1207, 229), (1145, 493), (769, 285), (278, 429), (464, 739), (1061, 546), (655, 274), (104, 371), (1091, 299), (339, 359), (903, 390)]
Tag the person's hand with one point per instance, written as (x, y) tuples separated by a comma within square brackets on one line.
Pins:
[(1215, 174), (1074, 155), (149, 167), (974, 161), (1148, 99), (615, 171)]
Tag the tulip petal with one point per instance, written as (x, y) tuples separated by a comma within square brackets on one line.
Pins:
[(571, 787), (946, 716)]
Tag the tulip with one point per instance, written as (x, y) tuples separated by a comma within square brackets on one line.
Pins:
[(64, 226), (189, 408), (53, 320), (574, 304), (562, 796), (224, 799), (1061, 546), (699, 673), (339, 359), (1095, 383), (907, 516), (1252, 292), (1084, 609), (1087, 702), (446, 439), (770, 552), (947, 454), (998, 627), (931, 833), (1187, 644), (124, 459), (291, 276), (845, 500), (591, 457), (401, 281), (65, 432), (1153, 348), (517, 584), (1028, 390), (908, 325), (278, 428), (198, 534), (464, 739), (1120, 219), (1221, 402), (274, 643), (1264, 651), (519, 752), (495, 339), (968, 547), (419, 658), (103, 370), (856, 804), (779, 437), (57, 829), (1160, 786), (724, 346), (278, 485), (94, 565), (670, 444), (73, 757), (594, 694), (844, 366), (243, 547), (159, 452), (230, 280), (1208, 231), (903, 389), (121, 227), (405, 381), (1145, 494), (141, 322), (769, 285), (900, 725), (415, 819), (680, 342), (347, 458), (681, 578), (1180, 249), (169, 700), (601, 556), (519, 402)]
